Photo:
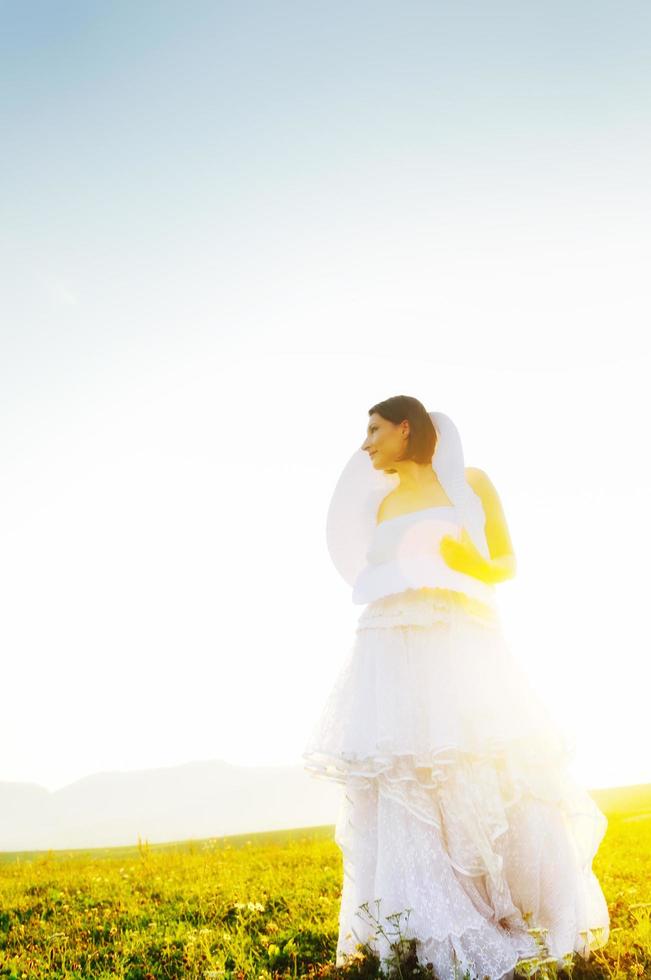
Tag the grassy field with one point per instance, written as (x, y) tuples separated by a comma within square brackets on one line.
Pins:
[(257, 906)]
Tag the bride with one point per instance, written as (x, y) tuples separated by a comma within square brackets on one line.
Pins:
[(460, 826)]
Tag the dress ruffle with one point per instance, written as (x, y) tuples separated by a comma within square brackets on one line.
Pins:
[(458, 803)]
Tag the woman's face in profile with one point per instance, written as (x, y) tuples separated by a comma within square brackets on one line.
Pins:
[(384, 441)]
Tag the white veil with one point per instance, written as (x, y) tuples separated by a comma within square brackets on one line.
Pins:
[(352, 513)]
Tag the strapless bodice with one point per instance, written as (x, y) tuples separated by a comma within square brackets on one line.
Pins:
[(405, 554)]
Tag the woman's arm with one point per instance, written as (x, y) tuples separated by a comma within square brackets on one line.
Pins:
[(502, 565)]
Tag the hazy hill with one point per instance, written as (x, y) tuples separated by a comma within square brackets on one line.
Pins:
[(197, 799)]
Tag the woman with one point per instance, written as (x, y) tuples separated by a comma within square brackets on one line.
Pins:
[(460, 826)]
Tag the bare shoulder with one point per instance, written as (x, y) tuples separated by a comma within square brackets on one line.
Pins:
[(483, 486), (480, 481)]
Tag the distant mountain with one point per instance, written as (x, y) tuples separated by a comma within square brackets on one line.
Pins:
[(195, 800)]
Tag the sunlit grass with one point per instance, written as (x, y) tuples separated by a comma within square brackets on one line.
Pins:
[(254, 906)]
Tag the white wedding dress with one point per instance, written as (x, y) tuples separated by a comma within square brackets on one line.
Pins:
[(460, 825)]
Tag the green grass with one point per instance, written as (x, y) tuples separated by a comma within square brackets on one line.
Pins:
[(258, 906)]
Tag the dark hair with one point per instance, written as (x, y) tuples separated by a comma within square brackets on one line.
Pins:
[(422, 434)]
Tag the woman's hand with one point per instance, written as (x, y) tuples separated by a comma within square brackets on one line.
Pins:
[(463, 556)]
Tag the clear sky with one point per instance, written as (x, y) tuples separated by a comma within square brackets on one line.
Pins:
[(227, 230)]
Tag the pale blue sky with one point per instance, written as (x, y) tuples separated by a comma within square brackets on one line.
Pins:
[(167, 162), (228, 229)]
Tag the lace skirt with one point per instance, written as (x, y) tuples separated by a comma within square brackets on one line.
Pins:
[(460, 825)]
